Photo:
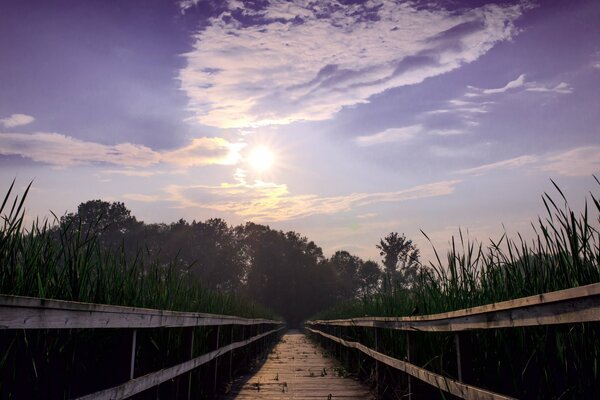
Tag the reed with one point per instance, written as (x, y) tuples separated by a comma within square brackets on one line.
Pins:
[(50, 260), (537, 362)]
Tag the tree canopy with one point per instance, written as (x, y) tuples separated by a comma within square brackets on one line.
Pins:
[(284, 271)]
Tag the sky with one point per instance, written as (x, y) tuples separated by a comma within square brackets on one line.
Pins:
[(341, 120)]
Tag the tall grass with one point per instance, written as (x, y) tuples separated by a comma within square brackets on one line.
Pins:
[(538, 362), (65, 262)]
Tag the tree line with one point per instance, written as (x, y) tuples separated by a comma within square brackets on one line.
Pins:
[(283, 271)]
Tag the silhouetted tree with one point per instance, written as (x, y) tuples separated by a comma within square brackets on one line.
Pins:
[(347, 267), (369, 277), (400, 260)]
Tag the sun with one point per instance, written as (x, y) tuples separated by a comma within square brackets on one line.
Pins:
[(261, 158)]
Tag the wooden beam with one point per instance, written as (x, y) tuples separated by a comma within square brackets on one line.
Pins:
[(448, 385), (581, 304), (142, 383), (17, 312)]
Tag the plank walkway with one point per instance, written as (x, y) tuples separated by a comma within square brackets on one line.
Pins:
[(297, 369)]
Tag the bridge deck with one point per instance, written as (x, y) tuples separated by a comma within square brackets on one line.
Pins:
[(297, 369)]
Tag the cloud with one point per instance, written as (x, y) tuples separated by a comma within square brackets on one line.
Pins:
[(562, 88), (184, 5), (514, 84), (519, 82), (129, 172), (511, 163), (205, 151), (143, 198), (62, 150), (263, 201), (304, 60), (581, 161), (390, 135), (16, 120), (446, 132)]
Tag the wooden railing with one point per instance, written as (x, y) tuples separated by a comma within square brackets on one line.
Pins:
[(18, 313), (581, 304)]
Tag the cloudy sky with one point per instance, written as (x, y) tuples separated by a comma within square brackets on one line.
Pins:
[(342, 120)]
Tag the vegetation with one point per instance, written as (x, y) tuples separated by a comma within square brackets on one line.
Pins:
[(103, 254), (70, 261), (283, 271), (537, 362)]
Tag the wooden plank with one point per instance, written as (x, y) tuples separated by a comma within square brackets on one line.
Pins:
[(581, 304), (448, 385), (297, 369), (145, 382), (17, 312)]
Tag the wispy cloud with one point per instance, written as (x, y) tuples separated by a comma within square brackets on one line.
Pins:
[(61, 150), (143, 198), (16, 120), (389, 135), (205, 151), (580, 161), (278, 69), (510, 163), (520, 83), (562, 88), (263, 201), (514, 84)]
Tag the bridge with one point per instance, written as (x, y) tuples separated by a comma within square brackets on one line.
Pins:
[(297, 366)]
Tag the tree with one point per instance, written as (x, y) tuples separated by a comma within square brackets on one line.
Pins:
[(346, 266), (400, 260), (108, 222), (369, 276)]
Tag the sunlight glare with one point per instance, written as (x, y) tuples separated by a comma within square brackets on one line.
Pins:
[(261, 158)]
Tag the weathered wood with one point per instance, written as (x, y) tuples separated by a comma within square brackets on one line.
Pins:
[(142, 383), (184, 381), (17, 312), (297, 369), (411, 356), (581, 304), (378, 370), (133, 351), (448, 385), (464, 357), (215, 381)]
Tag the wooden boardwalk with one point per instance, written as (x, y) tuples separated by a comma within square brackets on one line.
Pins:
[(297, 369)]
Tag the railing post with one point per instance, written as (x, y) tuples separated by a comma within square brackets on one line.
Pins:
[(184, 382), (231, 353), (411, 356), (464, 357), (124, 370), (133, 349), (216, 361), (378, 374)]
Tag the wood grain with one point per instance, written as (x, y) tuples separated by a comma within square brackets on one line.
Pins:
[(580, 304), (297, 369), (17, 312), (448, 385), (145, 382)]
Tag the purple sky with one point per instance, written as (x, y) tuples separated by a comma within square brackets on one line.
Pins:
[(381, 115)]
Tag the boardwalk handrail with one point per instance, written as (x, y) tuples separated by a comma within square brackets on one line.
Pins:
[(446, 384), (576, 305), (18, 312), (148, 381), (580, 304)]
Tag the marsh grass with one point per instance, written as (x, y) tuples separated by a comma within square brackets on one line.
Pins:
[(539, 362), (65, 262)]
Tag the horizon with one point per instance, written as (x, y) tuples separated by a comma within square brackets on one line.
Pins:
[(342, 121)]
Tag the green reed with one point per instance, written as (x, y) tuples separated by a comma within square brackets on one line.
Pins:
[(537, 362)]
